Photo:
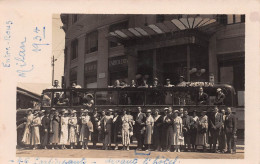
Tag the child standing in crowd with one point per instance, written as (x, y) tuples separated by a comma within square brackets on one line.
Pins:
[(73, 122), (64, 128)]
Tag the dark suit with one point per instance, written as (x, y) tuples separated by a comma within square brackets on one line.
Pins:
[(230, 129), (45, 134), (157, 132), (116, 128), (187, 121), (168, 126), (139, 124), (222, 137), (202, 99), (95, 119), (219, 100), (215, 122)]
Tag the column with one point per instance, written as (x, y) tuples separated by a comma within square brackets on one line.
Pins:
[(131, 53), (213, 63), (102, 58), (154, 64), (80, 60), (188, 62)]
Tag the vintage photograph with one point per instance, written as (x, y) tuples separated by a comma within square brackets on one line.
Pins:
[(127, 85)]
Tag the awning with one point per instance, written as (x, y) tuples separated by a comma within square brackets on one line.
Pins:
[(207, 26)]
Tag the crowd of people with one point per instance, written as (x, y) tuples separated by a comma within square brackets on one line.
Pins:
[(170, 130)]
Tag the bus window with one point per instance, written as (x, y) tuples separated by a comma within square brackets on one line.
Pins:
[(61, 99), (155, 97), (46, 99), (131, 98), (106, 97)]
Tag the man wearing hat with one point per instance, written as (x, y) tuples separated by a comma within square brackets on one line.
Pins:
[(182, 83), (168, 123), (95, 118), (149, 123), (215, 125), (168, 83), (45, 129), (140, 123), (187, 121), (202, 98), (219, 100)]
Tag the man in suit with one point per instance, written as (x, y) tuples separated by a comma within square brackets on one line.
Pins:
[(215, 122), (168, 126), (139, 128), (202, 98), (222, 137), (219, 100), (187, 121), (230, 129)]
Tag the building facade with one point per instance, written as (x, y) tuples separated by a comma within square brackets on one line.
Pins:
[(102, 48)]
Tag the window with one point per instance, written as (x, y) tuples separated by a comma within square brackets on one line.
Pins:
[(74, 49), (231, 19), (74, 18), (118, 26), (91, 42), (90, 72), (222, 19), (73, 75)]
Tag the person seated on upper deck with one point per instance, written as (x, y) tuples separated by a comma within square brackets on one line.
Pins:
[(88, 100), (116, 84), (123, 84), (168, 83), (202, 98), (143, 84), (155, 83), (219, 100), (133, 84), (55, 85), (182, 83)]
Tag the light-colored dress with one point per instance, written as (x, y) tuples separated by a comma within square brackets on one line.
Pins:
[(84, 131), (149, 123), (27, 131), (202, 137), (177, 131), (36, 123), (64, 133), (73, 129), (125, 130), (108, 120)]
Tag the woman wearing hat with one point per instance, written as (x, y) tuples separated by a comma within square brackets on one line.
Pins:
[(36, 123), (55, 129), (157, 132), (73, 122), (125, 130), (149, 123), (202, 130), (46, 129), (27, 131), (64, 120), (84, 129), (193, 130), (116, 128), (108, 121), (178, 139)]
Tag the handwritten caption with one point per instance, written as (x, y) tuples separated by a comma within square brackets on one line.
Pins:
[(20, 54)]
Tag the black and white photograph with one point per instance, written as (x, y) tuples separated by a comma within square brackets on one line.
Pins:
[(138, 86)]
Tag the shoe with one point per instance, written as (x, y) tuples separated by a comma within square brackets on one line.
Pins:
[(71, 147), (146, 150), (127, 149), (228, 152), (86, 147), (173, 151), (34, 148), (116, 148), (45, 147), (179, 150), (82, 148), (52, 148)]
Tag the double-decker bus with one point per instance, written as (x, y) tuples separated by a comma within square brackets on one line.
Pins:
[(147, 98)]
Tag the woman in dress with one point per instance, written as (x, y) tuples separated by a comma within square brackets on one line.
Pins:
[(178, 139), (64, 120), (157, 130), (202, 130), (55, 129), (36, 123), (46, 129), (84, 130), (149, 123), (116, 127), (108, 121), (27, 130), (73, 122), (125, 130), (193, 130)]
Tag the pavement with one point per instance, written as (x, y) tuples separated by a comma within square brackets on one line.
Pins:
[(132, 153)]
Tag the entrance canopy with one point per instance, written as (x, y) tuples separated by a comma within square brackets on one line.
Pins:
[(204, 26)]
